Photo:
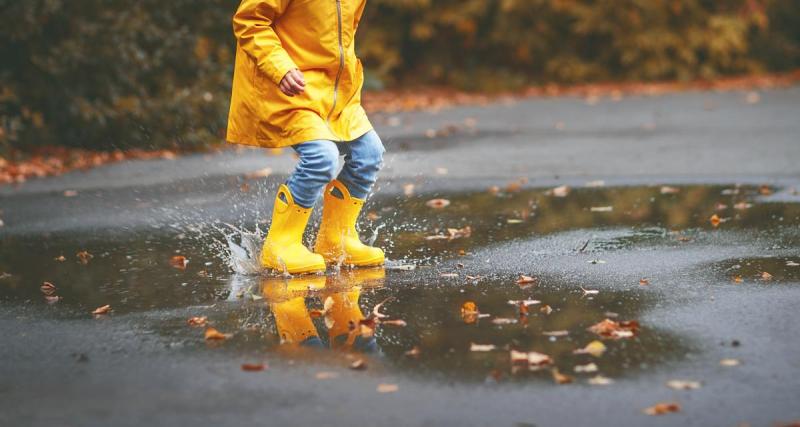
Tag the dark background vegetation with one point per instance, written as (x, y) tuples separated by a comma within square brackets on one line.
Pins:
[(114, 74)]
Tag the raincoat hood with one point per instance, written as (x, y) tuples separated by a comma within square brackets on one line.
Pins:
[(314, 36)]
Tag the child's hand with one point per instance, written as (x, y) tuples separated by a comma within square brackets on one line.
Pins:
[(293, 83)]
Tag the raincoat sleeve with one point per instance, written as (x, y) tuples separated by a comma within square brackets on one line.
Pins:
[(252, 25)]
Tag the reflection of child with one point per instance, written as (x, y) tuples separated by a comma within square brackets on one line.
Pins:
[(287, 301), (297, 82)]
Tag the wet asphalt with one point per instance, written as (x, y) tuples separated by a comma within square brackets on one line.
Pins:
[(63, 368)]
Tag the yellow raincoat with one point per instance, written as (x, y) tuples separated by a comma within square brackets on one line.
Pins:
[(315, 36)]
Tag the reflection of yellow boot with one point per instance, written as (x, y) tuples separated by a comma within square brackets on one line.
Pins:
[(345, 290), (338, 240), (287, 300), (283, 248), (345, 310)]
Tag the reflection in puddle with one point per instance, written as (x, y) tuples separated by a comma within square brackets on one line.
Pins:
[(133, 273)]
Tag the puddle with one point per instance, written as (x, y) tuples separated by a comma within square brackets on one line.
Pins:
[(134, 274)]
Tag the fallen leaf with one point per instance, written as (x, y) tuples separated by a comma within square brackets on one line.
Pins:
[(720, 207), (527, 281), (589, 291), (469, 312), (414, 352), (683, 384), (737, 279), (546, 309), (458, 233), (387, 388), (729, 362), (179, 262), (742, 206), (669, 190), (358, 365), (644, 282), (482, 347), (765, 190), (253, 367), (533, 359), (197, 321), (52, 299), (60, 258), (560, 378), (766, 276), (587, 368), (525, 303), (599, 380), (84, 257), (48, 288), (376, 310), (394, 322), (213, 334), (752, 97), (715, 220), (560, 191), (102, 310), (70, 193), (662, 408), (437, 203), (595, 348), (612, 329), (408, 190), (326, 375)]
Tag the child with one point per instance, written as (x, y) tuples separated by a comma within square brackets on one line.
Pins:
[(297, 82)]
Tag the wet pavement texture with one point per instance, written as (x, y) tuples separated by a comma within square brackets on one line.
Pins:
[(700, 290)]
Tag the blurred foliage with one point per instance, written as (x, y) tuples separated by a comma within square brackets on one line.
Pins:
[(112, 74)]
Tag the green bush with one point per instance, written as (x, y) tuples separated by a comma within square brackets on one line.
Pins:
[(110, 74)]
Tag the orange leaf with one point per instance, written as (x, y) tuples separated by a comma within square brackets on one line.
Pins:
[(102, 310), (526, 280), (437, 203), (84, 257), (197, 321), (387, 388), (253, 367), (213, 334), (663, 408), (560, 378), (48, 288), (179, 262)]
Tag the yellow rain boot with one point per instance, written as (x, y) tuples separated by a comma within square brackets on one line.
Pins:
[(338, 240), (283, 248), (287, 301)]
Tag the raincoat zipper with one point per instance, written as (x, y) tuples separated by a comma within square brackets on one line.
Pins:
[(341, 66)]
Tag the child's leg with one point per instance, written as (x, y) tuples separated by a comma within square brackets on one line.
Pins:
[(363, 159), (319, 161)]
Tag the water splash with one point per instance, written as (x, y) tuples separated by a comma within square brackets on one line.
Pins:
[(245, 256)]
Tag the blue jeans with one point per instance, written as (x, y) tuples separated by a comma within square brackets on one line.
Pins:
[(319, 161)]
